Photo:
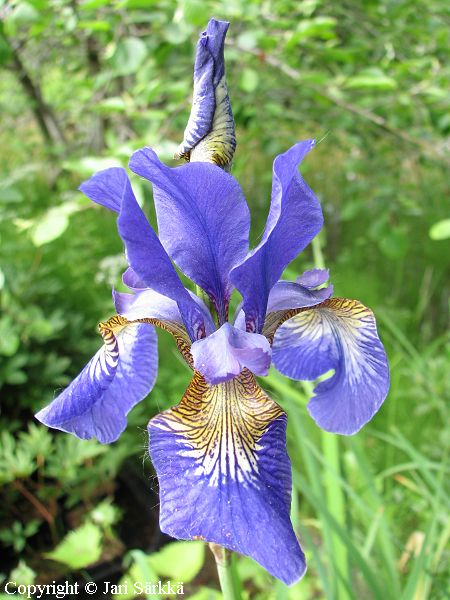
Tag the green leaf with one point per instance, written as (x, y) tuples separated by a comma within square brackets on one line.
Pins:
[(320, 27), (371, 79), (129, 55), (177, 33), (105, 514), (140, 570), (206, 593), (90, 164), (10, 195), (23, 573), (111, 105), (24, 13), (5, 50), (179, 560), (394, 244), (249, 80), (94, 25), (9, 340), (92, 4), (194, 12), (440, 230), (16, 377), (52, 226), (80, 548), (247, 40)]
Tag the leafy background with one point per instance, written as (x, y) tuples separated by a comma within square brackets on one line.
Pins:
[(83, 84)]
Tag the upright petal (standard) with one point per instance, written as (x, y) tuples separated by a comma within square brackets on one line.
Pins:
[(203, 221), (295, 218), (146, 256)]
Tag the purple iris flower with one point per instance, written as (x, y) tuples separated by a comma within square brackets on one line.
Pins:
[(220, 454)]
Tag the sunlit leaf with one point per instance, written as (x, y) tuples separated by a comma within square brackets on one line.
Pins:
[(9, 340), (440, 230), (52, 226), (80, 548), (249, 80), (373, 79), (179, 560), (90, 164), (129, 55), (94, 25)]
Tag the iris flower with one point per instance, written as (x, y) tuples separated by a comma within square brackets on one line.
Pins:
[(209, 134), (220, 454)]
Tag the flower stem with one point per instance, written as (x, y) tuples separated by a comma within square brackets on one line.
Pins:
[(333, 488), (226, 569)]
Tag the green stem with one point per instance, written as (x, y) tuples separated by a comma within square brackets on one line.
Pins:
[(333, 489), (319, 262), (226, 569)]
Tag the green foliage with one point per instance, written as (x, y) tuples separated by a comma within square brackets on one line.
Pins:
[(369, 81), (80, 548), (440, 230), (16, 535), (178, 561), (23, 573), (182, 560)]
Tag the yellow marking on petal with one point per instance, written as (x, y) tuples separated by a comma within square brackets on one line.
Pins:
[(221, 426), (114, 326), (353, 312)]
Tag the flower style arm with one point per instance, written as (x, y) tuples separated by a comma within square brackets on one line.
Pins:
[(228, 351)]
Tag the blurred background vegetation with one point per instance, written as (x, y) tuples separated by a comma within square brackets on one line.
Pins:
[(85, 82)]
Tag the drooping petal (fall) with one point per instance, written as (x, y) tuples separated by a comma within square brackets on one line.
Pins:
[(224, 354), (295, 218), (210, 134), (118, 376), (203, 221), (339, 334), (224, 473), (285, 298)]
